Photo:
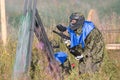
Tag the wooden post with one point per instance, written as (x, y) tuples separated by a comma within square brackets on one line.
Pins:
[(113, 46), (3, 22), (93, 16)]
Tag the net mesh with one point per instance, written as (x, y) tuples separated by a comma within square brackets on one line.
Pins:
[(22, 53)]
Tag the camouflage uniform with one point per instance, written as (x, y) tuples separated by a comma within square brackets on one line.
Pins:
[(93, 51), (92, 48)]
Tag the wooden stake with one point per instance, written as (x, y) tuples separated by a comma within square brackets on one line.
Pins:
[(3, 22)]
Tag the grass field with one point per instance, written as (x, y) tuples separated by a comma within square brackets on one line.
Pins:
[(110, 69), (52, 13)]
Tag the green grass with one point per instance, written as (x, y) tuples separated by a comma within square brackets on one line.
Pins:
[(109, 71), (7, 60), (53, 14)]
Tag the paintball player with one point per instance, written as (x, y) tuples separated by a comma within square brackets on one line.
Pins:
[(86, 43)]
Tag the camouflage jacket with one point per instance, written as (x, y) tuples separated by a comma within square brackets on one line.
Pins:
[(94, 45)]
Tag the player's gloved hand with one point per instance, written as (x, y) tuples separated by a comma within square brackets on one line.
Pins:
[(67, 42), (79, 57)]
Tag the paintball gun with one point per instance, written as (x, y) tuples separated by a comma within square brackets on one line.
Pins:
[(61, 28), (62, 35)]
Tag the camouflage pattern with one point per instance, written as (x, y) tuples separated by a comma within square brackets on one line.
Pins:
[(66, 67), (93, 52)]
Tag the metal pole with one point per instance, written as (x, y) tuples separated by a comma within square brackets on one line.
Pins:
[(25, 7), (31, 32)]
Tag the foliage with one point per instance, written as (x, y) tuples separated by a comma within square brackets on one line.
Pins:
[(54, 12), (7, 60)]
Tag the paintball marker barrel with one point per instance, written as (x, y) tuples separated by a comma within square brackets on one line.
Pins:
[(62, 35)]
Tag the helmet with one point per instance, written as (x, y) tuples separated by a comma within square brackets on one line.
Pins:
[(79, 20)]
